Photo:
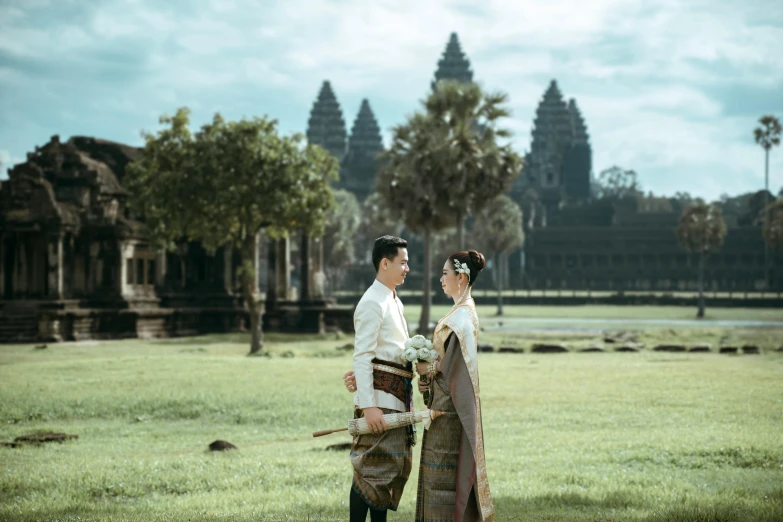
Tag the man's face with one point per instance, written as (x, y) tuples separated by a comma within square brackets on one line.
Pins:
[(398, 267)]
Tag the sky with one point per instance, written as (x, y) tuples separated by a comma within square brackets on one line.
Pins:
[(669, 88)]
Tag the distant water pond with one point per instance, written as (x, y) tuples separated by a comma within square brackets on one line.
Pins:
[(598, 325)]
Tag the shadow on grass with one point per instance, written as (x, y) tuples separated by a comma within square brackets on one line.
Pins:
[(565, 501), (770, 509), (630, 506), (738, 457)]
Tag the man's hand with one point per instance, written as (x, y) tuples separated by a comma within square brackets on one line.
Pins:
[(350, 381), (423, 387), (375, 420)]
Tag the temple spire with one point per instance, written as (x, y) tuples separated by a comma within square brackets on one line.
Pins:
[(552, 135), (360, 165), (326, 126), (453, 65), (578, 127)]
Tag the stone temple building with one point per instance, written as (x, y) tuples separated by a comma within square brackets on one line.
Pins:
[(74, 263), (558, 167)]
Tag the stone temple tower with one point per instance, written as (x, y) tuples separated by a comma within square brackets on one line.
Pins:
[(559, 163), (454, 64), (578, 159), (360, 165), (326, 126)]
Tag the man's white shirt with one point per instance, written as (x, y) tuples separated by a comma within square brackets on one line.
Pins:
[(381, 333)]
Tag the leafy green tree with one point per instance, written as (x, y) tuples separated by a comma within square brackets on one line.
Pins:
[(377, 219), (767, 136), (225, 183), (499, 231), (477, 167), (616, 183), (773, 225), (414, 188), (702, 230), (342, 224)]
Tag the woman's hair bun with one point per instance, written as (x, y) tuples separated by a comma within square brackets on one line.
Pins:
[(477, 260)]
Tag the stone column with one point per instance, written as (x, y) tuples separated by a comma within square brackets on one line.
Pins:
[(21, 267), (271, 273), (283, 269), (55, 266), (69, 258), (94, 267), (319, 276), (123, 270), (228, 269), (160, 268), (306, 269)]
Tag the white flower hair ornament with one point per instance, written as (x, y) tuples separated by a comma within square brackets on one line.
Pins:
[(462, 268)]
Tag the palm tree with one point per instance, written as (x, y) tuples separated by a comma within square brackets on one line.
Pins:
[(701, 230), (411, 183), (477, 167), (499, 230), (768, 136)]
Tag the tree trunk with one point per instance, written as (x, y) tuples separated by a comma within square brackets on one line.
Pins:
[(460, 231), (766, 215), (700, 313), (247, 276), (424, 320), (499, 285)]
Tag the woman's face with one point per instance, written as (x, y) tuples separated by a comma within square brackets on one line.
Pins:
[(453, 284)]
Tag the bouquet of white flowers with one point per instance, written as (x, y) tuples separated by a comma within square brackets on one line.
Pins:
[(418, 349)]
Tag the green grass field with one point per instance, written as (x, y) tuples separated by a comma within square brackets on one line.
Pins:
[(570, 437)]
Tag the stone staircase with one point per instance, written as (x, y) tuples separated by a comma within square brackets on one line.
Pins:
[(19, 322)]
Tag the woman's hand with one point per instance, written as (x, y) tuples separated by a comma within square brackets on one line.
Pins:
[(422, 367), (423, 387), (350, 381)]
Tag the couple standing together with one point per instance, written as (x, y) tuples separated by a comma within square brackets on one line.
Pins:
[(452, 475)]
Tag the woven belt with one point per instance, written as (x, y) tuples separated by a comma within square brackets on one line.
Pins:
[(392, 370)]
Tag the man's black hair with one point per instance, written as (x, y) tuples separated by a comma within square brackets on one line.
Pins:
[(386, 247)]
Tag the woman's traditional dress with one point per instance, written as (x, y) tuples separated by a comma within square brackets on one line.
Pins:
[(453, 481)]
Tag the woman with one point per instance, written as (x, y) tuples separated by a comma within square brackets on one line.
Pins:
[(453, 481)]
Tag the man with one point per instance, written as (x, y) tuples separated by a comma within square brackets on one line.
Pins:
[(382, 459)]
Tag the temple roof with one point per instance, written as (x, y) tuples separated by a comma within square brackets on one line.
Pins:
[(67, 185)]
